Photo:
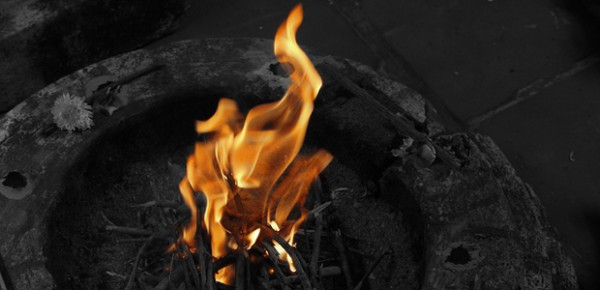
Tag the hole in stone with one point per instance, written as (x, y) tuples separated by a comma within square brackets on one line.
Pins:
[(459, 256), (281, 69), (15, 180)]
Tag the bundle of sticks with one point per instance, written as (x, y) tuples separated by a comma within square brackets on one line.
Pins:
[(321, 259)]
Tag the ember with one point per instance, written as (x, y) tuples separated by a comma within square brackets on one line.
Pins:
[(248, 169)]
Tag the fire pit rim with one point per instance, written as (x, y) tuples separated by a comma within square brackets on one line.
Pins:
[(33, 149)]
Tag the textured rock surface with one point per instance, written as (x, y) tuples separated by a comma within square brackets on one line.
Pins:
[(483, 227), (42, 40)]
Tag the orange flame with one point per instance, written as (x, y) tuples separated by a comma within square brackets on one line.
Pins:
[(240, 169)]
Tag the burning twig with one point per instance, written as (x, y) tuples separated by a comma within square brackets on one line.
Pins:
[(210, 277), (370, 271), (339, 243), (296, 259), (401, 124), (202, 260), (222, 262), (274, 257), (190, 262), (240, 272), (129, 231), (137, 262)]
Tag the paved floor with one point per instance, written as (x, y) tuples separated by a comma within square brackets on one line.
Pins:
[(476, 53)]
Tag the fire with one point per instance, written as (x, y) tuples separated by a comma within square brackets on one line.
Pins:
[(249, 169)]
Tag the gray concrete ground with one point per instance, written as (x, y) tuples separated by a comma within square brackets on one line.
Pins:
[(474, 54)]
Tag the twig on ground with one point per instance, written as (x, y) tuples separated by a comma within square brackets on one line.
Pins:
[(339, 243), (314, 260), (106, 219), (101, 93), (536, 88), (248, 274), (160, 203), (175, 275), (370, 271), (306, 232), (240, 272), (133, 240), (129, 231), (330, 271), (323, 272), (137, 262), (402, 125), (356, 251), (113, 274), (318, 209), (171, 265), (188, 282)]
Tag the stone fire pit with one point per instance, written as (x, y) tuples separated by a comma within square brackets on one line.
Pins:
[(470, 225)]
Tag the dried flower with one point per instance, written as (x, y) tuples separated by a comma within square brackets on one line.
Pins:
[(72, 113)]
